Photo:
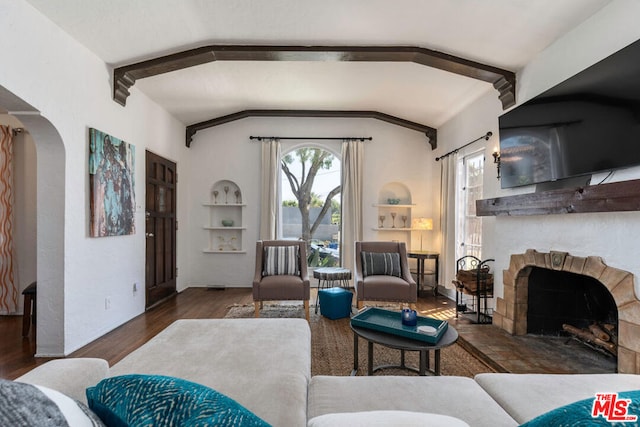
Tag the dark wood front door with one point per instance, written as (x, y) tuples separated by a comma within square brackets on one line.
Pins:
[(160, 215)]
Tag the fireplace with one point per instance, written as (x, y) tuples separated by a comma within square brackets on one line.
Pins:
[(556, 298), (613, 298)]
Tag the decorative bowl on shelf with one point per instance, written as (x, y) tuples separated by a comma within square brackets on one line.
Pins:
[(393, 201), (227, 223)]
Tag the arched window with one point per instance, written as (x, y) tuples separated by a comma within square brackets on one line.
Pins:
[(310, 195)]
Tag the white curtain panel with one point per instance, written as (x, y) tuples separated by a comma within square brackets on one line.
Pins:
[(8, 286), (269, 211), (448, 218), (352, 161)]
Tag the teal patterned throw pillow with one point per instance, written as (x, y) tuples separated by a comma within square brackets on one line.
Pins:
[(605, 409), (155, 400)]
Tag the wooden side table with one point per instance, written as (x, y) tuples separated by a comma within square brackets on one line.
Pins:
[(421, 256), (29, 315)]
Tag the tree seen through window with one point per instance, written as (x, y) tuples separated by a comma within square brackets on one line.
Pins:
[(311, 203)]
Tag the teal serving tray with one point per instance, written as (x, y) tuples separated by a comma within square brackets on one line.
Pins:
[(391, 322)]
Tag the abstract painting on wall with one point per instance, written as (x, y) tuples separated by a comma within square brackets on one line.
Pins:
[(111, 179)]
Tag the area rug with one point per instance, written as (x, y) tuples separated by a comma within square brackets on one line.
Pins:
[(332, 346)]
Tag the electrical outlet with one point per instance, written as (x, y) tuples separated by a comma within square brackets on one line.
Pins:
[(107, 303)]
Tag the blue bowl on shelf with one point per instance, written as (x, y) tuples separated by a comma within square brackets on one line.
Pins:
[(227, 223), (393, 201)]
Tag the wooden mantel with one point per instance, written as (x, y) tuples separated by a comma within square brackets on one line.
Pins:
[(614, 197)]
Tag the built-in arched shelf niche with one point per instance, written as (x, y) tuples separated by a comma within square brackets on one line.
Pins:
[(226, 218), (394, 207)]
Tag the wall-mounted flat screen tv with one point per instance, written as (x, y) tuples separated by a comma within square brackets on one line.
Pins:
[(586, 124)]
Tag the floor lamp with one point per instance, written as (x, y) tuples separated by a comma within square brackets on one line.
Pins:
[(422, 224)]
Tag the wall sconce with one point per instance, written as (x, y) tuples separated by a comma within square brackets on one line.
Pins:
[(422, 224), (496, 160)]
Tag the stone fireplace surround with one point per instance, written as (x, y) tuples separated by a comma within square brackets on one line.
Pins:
[(510, 313)]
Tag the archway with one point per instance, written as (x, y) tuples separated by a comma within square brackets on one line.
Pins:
[(50, 181)]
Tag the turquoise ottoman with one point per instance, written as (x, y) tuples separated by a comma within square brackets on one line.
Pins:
[(335, 303)]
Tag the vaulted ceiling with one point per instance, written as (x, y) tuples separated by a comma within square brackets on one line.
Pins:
[(505, 34)]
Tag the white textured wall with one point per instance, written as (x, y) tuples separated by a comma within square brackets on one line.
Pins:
[(609, 235), (71, 88), (225, 152), (478, 119)]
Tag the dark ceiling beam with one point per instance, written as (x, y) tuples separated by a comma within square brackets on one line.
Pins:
[(431, 133), (502, 80)]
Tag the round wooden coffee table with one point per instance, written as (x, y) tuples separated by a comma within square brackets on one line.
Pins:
[(403, 344)]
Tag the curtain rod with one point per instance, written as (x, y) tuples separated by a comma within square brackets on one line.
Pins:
[(486, 137), (359, 138)]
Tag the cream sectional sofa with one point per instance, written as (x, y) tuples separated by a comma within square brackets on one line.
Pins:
[(265, 365)]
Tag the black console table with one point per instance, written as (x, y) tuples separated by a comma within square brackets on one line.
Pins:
[(421, 256)]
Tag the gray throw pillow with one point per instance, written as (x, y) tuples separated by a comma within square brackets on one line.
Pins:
[(381, 263), (281, 260), (33, 405)]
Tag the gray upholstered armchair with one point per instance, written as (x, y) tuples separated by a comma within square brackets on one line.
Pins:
[(281, 273), (382, 273)]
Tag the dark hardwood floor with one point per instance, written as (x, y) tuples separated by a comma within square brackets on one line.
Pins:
[(500, 350), (16, 352)]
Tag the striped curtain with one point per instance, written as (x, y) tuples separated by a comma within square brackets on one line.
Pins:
[(8, 288)]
